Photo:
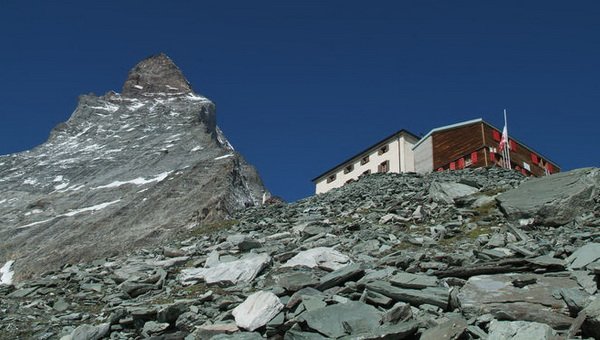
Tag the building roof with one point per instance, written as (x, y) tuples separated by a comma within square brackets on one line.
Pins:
[(474, 121), (374, 146), (448, 127)]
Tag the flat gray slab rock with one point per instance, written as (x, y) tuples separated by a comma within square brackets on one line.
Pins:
[(322, 257), (343, 319), (497, 295), (449, 330), (415, 281), (584, 256), (242, 270), (338, 277), (88, 332), (553, 200), (416, 297), (257, 310), (519, 330), (591, 325), (447, 192)]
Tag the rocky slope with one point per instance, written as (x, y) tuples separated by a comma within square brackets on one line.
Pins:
[(126, 170), (452, 255)]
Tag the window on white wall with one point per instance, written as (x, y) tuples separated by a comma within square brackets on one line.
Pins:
[(364, 160), (331, 178), (383, 150), (349, 168), (384, 166)]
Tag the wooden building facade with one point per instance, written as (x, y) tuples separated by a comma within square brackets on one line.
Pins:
[(475, 143)]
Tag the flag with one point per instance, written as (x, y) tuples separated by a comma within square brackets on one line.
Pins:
[(504, 140), (505, 145)]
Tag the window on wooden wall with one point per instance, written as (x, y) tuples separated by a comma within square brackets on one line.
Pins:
[(468, 161), (474, 157), (349, 168), (452, 166), (331, 178), (384, 166), (364, 160), (383, 150)]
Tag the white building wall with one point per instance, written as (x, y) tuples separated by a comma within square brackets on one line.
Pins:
[(398, 149), (423, 156)]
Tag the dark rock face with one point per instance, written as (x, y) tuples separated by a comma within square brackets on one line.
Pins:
[(124, 171), (155, 76)]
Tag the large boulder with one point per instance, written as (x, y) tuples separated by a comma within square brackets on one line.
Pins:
[(503, 296), (519, 330), (258, 309), (554, 200)]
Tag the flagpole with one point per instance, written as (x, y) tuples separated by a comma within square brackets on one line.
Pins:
[(507, 146)]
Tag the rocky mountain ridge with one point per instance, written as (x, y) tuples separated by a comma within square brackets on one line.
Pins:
[(126, 170), (451, 255)]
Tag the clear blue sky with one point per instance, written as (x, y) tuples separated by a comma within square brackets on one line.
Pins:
[(302, 85)]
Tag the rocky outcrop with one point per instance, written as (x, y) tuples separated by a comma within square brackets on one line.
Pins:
[(554, 200), (329, 266), (125, 171)]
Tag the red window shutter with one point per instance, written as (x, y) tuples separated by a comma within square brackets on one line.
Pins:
[(452, 166), (492, 156), (496, 135), (513, 145), (440, 169), (550, 168), (524, 172), (534, 158), (474, 157), (461, 163)]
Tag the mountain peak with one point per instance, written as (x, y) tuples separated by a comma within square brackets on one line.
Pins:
[(154, 75)]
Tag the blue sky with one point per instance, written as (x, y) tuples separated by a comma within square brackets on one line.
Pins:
[(302, 85)]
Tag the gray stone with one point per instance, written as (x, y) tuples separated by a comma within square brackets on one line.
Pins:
[(343, 319), (586, 280), (297, 280), (294, 334), (257, 310), (449, 330), (401, 311), (243, 242), (154, 328), (243, 270), (399, 331), (208, 331), (553, 200), (591, 325), (89, 332), (584, 256), (496, 294), (238, 336), (575, 299), (519, 330), (322, 257), (447, 192), (338, 277), (415, 281), (23, 292), (60, 305), (416, 297)]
